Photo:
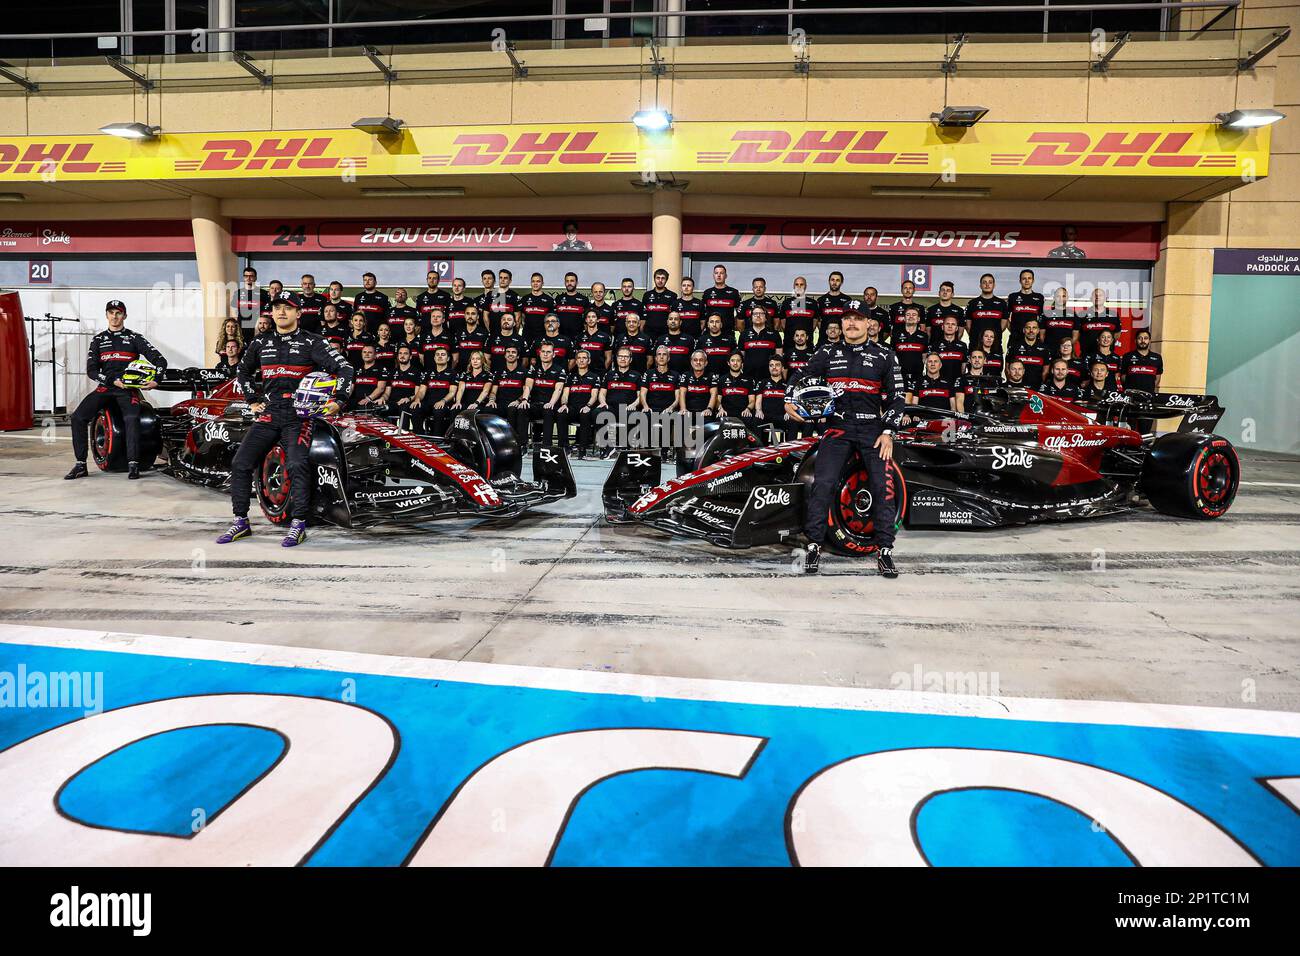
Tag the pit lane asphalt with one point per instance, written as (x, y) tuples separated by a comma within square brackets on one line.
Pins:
[(1136, 608)]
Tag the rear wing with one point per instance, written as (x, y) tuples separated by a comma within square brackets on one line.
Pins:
[(1201, 413)]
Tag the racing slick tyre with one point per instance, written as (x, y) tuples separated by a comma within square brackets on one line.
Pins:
[(108, 441), (272, 482), (850, 526), (1190, 475)]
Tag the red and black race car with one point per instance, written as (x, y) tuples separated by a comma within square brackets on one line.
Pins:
[(366, 470), (1017, 457)]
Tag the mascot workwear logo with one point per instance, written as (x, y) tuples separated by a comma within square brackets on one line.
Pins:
[(1010, 458), (75, 909)]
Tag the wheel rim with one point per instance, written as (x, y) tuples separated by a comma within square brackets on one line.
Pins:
[(1214, 478), (855, 504), (102, 438), (275, 480)]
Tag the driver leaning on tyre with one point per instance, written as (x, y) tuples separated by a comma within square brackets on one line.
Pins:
[(283, 357), (869, 405)]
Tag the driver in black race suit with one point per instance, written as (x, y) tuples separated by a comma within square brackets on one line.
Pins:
[(869, 405), (284, 357)]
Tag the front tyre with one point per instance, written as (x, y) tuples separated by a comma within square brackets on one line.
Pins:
[(108, 440), (273, 486), (1190, 475), (849, 525)]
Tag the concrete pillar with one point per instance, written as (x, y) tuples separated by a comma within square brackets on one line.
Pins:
[(216, 264), (666, 233), (1180, 301)]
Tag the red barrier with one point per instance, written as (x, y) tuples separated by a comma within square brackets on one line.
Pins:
[(15, 366)]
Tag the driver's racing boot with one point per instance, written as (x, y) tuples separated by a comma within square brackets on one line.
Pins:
[(132, 470), (239, 529), (78, 471), (885, 563), (812, 558), (297, 532)]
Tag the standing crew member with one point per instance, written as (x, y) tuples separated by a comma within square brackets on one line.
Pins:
[(283, 357), (111, 351), (869, 405)]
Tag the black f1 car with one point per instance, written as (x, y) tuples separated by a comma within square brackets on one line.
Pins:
[(366, 470), (1017, 457)]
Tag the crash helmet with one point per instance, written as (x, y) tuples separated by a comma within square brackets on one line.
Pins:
[(813, 397), (139, 373), (314, 392)]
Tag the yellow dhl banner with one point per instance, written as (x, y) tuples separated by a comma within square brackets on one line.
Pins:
[(997, 149)]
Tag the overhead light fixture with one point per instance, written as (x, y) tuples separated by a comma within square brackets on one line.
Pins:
[(379, 125), (652, 121), (1249, 119), (132, 130), (958, 116), (918, 192), (12, 197), (415, 192)]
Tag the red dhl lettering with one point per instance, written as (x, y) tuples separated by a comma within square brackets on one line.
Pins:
[(1161, 150), (758, 147), (228, 155), (40, 157), (534, 149)]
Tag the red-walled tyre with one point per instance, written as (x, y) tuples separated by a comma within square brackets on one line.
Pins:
[(1189, 475), (273, 486), (850, 529), (108, 441)]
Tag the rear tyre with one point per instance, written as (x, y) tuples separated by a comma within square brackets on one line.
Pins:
[(850, 528), (108, 441), (273, 486), (1189, 475)]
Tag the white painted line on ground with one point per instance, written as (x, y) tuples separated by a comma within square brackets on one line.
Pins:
[(39, 437), (1227, 720), (1270, 484)]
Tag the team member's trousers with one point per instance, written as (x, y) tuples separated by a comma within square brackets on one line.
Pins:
[(835, 448), (538, 412), (127, 403), (586, 419), (436, 420), (518, 419), (295, 437)]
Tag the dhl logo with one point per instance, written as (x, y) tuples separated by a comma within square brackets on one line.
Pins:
[(1154, 149), (52, 158), (816, 146), (230, 155), (528, 149)]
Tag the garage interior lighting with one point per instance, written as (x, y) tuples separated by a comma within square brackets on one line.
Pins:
[(652, 121), (958, 116), (139, 131), (379, 125), (916, 192), (1249, 119), (12, 197), (396, 192)]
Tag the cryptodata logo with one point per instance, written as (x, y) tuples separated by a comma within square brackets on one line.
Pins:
[(321, 759)]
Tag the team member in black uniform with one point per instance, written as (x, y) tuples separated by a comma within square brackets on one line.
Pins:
[(968, 385), (457, 306), (371, 303), (798, 352), (369, 382), (1105, 353), (544, 391), (769, 399), (832, 306), (1077, 369), (721, 299), (561, 346), (473, 336), (1033, 355), (1058, 385), (656, 305), (406, 388), (898, 309), (508, 392), (342, 306), (951, 349), (635, 341), (571, 306), (700, 387), (1141, 369), (282, 358), (110, 352), (249, 301), (386, 348), (507, 338), (869, 405), (432, 298), (581, 395), (910, 344), (987, 311), (596, 342), (933, 390), (1059, 321), (991, 345), (1099, 386), (1025, 304), (273, 290), (535, 306), (1096, 320), (798, 311), (871, 308), (621, 394), (718, 342), (358, 339), (438, 335), (228, 361), (474, 386), (409, 335), (945, 307), (313, 304), (400, 311), (333, 328), (441, 386), (875, 331), (661, 395), (690, 309), (1015, 373), (759, 297), (736, 389), (679, 345), (628, 304), (505, 301), (758, 344), (608, 314)]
